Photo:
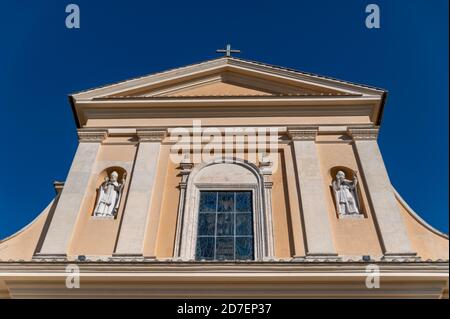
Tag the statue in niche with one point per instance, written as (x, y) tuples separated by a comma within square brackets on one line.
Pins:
[(109, 194), (346, 194)]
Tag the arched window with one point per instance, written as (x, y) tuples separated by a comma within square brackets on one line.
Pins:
[(225, 213)]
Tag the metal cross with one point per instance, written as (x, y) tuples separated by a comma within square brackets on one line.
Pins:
[(228, 50)]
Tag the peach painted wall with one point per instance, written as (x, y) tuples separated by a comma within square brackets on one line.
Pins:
[(169, 213), (22, 244), (427, 244), (282, 229), (156, 207), (281, 210), (283, 232), (217, 88), (99, 236), (232, 121), (351, 236), (298, 248)]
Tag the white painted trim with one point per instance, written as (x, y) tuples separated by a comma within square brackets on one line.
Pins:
[(220, 280), (226, 64), (174, 108), (267, 99), (187, 235)]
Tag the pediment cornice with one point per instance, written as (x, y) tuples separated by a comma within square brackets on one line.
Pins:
[(226, 83), (228, 67)]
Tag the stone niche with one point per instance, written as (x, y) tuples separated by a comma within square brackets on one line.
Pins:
[(101, 177), (349, 175)]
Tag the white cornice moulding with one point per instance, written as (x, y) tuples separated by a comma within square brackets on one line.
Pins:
[(261, 70), (369, 133), (92, 135), (151, 135)]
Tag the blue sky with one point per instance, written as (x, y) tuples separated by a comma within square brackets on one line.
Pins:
[(41, 62)]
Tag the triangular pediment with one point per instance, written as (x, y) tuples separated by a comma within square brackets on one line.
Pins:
[(224, 83), (221, 85), (217, 89), (227, 77), (214, 86)]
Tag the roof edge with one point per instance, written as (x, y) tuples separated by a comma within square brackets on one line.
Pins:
[(227, 59), (74, 111), (417, 217), (31, 223)]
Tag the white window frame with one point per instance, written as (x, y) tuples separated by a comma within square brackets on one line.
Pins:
[(186, 238)]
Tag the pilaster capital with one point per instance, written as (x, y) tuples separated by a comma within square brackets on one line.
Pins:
[(92, 136), (185, 167), (268, 183), (151, 135), (307, 133), (363, 133), (265, 165), (58, 187)]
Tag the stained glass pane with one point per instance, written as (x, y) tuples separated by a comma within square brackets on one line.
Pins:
[(244, 224), (225, 248), (205, 248), (206, 224), (244, 248), (226, 202), (225, 224), (244, 202), (208, 201)]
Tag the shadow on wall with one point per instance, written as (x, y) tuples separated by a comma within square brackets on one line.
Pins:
[(349, 174), (106, 173)]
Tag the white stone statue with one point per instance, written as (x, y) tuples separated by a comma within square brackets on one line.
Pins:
[(346, 194), (109, 196)]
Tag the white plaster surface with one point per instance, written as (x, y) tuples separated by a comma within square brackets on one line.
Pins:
[(132, 231), (61, 227), (319, 239), (387, 213)]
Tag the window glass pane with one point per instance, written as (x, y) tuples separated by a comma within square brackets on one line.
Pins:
[(206, 224), (244, 202), (225, 224), (244, 224), (226, 202), (225, 248), (244, 248), (205, 248), (208, 201)]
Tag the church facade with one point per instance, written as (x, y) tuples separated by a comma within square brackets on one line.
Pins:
[(227, 178)]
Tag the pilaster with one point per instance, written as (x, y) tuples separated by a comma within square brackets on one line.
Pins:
[(388, 217), (134, 222), (319, 238), (57, 238)]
